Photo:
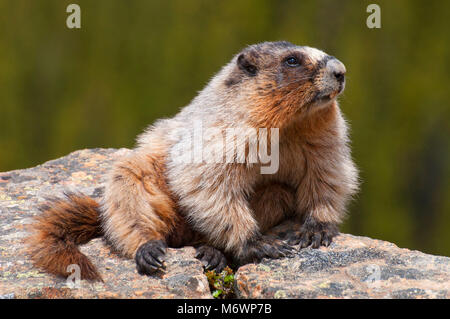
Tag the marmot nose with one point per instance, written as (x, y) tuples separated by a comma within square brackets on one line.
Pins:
[(339, 76), (337, 68)]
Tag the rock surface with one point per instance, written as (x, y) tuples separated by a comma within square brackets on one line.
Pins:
[(22, 191), (352, 267)]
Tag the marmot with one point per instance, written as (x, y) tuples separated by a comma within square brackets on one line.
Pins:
[(153, 199)]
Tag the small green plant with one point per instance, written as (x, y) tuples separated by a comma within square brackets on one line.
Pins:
[(221, 284)]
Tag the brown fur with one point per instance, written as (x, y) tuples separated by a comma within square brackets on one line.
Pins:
[(139, 199), (271, 203), (63, 225)]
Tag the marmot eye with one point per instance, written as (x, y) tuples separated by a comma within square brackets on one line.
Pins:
[(292, 61)]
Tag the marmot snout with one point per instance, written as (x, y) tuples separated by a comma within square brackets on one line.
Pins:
[(330, 81)]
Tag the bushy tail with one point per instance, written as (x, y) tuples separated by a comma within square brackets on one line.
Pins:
[(56, 233)]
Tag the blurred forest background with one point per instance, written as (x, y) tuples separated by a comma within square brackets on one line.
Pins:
[(138, 60)]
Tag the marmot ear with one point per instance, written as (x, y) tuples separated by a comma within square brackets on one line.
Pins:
[(246, 65)]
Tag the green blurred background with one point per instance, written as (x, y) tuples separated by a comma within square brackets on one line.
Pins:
[(135, 61)]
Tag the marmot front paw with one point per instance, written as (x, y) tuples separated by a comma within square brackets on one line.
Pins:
[(211, 258), (149, 257), (265, 247), (314, 234)]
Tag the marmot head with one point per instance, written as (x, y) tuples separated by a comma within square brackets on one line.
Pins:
[(279, 80)]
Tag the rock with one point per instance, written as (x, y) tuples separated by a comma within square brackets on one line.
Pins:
[(22, 191), (352, 267)]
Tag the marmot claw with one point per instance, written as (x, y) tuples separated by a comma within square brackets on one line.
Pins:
[(314, 234), (149, 257), (265, 247), (211, 258)]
